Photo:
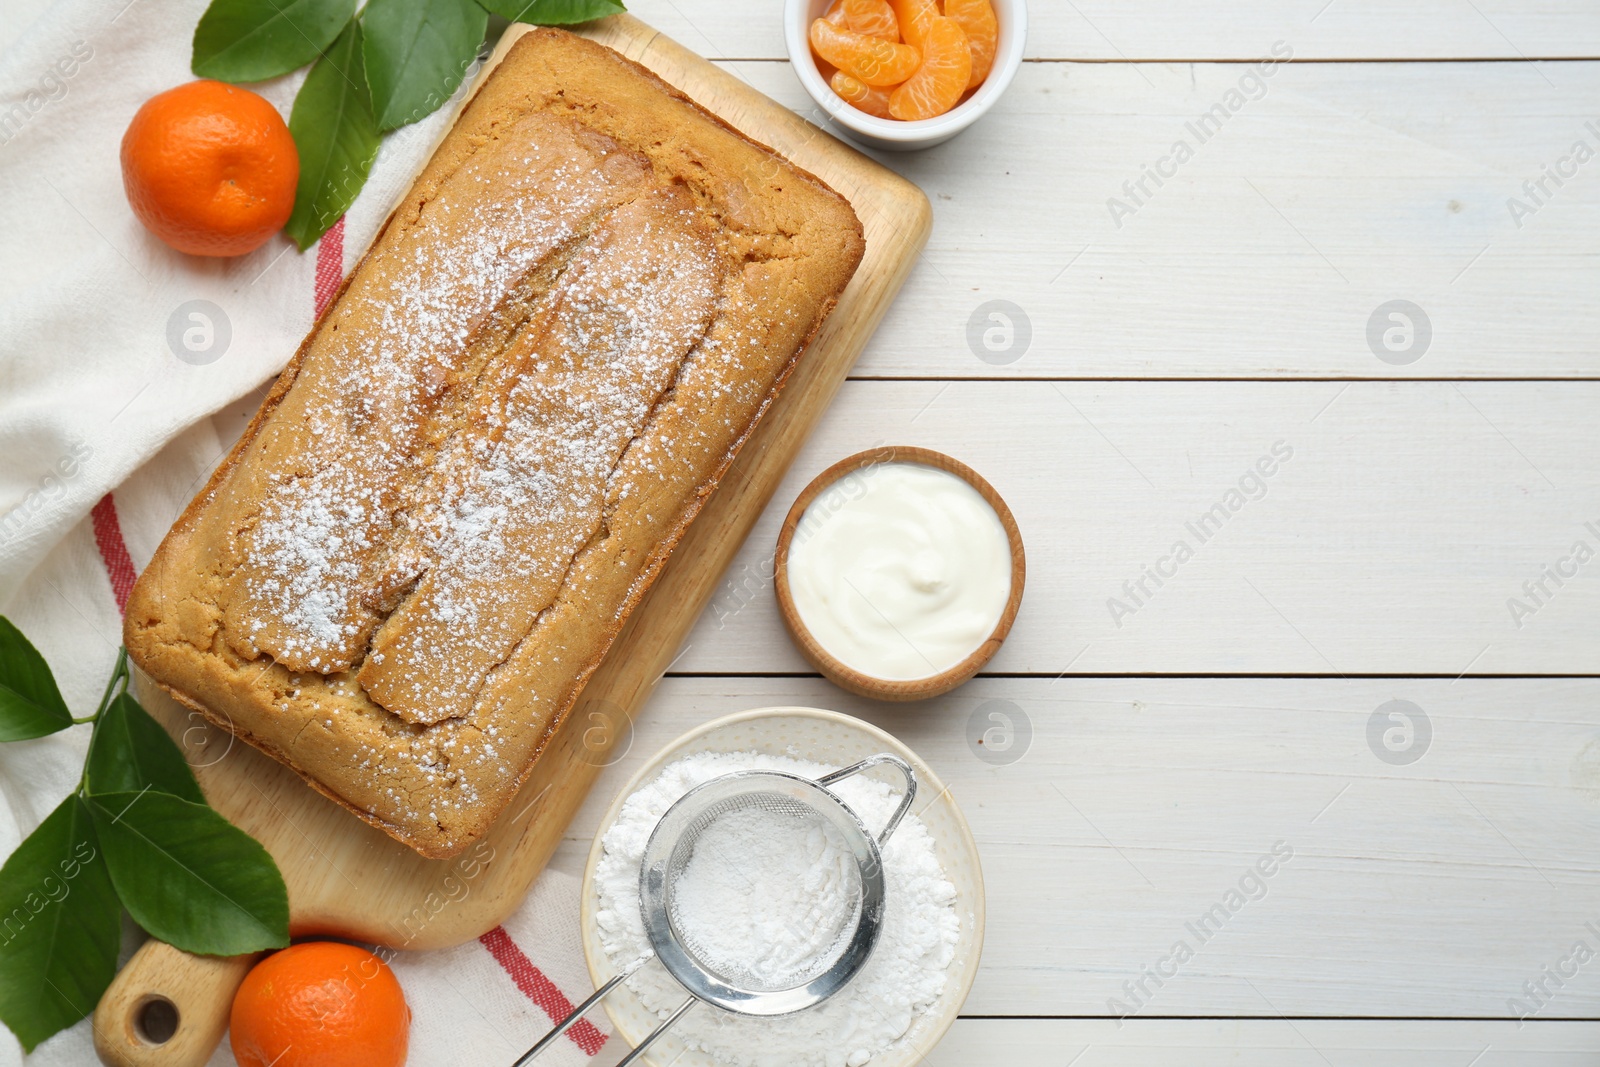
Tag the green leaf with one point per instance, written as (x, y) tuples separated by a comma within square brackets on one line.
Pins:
[(189, 877), (553, 12), (30, 703), (130, 751), (337, 137), (252, 40), (417, 52), (60, 926)]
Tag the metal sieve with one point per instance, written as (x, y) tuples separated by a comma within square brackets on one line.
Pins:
[(734, 988)]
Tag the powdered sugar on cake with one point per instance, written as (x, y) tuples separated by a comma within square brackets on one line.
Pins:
[(335, 546), (525, 488)]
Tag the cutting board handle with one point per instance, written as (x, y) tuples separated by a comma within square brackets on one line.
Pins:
[(167, 1008)]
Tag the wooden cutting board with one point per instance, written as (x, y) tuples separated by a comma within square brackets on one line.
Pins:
[(348, 879)]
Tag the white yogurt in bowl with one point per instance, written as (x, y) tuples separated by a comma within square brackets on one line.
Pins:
[(899, 570)]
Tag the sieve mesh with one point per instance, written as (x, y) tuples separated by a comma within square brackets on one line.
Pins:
[(749, 974), (671, 847)]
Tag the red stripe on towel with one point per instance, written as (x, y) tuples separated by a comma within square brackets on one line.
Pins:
[(540, 989), (113, 550), (330, 265)]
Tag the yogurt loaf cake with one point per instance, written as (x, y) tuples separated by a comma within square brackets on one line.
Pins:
[(400, 579)]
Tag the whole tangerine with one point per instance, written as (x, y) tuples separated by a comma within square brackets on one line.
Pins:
[(210, 168), (320, 1004)]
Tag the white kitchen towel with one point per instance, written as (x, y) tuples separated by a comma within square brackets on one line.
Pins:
[(127, 366)]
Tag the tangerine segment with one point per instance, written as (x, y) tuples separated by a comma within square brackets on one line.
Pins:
[(866, 59), (862, 97), (875, 18), (914, 17), (976, 18), (940, 79)]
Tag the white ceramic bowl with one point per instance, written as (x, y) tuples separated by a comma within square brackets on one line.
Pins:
[(892, 134), (824, 737)]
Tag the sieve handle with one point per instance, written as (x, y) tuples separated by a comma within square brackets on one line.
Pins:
[(577, 1013), (872, 761), (657, 1032)]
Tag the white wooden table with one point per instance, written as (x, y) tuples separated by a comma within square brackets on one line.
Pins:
[(1441, 861), (1445, 851)]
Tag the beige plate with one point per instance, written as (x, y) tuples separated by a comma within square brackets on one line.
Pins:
[(824, 737), (848, 678)]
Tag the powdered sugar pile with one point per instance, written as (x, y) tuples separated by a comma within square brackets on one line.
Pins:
[(904, 977), (800, 871)]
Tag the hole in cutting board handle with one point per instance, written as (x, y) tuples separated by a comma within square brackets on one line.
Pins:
[(155, 1020)]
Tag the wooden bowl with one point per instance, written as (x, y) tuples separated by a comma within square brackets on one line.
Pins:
[(824, 737), (848, 678)]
